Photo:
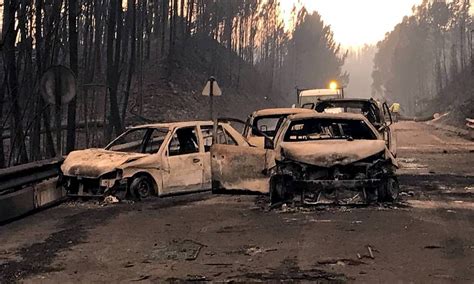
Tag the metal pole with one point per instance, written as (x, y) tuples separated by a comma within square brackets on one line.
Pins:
[(57, 108), (211, 97)]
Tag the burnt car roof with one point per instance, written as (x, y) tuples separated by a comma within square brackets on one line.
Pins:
[(173, 124), (281, 111), (348, 101), (344, 115), (351, 100)]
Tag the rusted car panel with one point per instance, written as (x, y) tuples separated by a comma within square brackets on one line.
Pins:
[(168, 158), (237, 168), (329, 153)]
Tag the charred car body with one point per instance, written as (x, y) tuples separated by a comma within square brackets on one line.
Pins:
[(377, 113), (156, 159), (313, 156)]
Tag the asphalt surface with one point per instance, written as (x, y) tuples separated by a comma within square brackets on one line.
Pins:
[(426, 237)]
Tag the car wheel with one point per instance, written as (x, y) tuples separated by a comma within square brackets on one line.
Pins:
[(389, 190), (216, 187), (279, 189), (141, 187)]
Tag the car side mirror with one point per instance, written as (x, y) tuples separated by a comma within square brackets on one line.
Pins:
[(268, 144)]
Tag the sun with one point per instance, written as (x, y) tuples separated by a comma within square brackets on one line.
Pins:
[(355, 23)]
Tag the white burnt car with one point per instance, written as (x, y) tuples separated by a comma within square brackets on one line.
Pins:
[(155, 159), (377, 113), (315, 156)]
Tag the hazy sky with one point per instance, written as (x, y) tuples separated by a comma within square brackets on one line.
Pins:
[(357, 22)]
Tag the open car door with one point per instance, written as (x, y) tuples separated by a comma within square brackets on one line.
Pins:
[(389, 132), (240, 168)]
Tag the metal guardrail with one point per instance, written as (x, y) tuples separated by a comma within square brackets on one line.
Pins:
[(28, 187), (470, 123), (470, 126)]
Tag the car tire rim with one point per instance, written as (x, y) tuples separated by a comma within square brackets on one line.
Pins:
[(143, 189)]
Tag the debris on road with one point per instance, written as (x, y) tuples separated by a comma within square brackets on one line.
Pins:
[(251, 251), (341, 262), (370, 252), (177, 250), (110, 199), (141, 278), (433, 247)]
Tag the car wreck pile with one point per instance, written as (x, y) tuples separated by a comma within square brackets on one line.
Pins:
[(340, 151)]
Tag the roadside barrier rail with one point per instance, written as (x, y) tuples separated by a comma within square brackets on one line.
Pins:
[(27, 187)]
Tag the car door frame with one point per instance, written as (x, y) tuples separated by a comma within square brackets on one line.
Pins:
[(228, 131), (389, 130), (190, 160), (240, 168)]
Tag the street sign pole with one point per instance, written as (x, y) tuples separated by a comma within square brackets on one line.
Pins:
[(211, 96), (212, 89), (57, 107)]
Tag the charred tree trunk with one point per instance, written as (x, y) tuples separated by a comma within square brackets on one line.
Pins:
[(131, 66), (10, 9), (36, 134), (164, 25), (73, 41), (2, 149), (112, 66)]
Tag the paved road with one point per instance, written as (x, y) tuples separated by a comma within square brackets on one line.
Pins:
[(427, 237)]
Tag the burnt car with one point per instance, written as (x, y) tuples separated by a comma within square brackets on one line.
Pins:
[(155, 159), (265, 122), (314, 156), (377, 113)]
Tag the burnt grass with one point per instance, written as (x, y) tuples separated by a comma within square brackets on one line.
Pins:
[(38, 257)]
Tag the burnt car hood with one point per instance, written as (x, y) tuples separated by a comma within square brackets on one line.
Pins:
[(92, 163), (328, 153)]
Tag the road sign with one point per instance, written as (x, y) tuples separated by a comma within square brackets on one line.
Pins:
[(58, 85), (212, 88)]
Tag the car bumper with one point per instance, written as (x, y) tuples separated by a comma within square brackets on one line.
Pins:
[(318, 185)]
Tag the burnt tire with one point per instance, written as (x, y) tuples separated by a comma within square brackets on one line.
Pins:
[(142, 187), (389, 190), (279, 189), (216, 187)]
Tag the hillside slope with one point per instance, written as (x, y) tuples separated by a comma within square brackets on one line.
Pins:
[(172, 89)]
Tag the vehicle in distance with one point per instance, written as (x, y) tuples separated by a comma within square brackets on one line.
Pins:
[(309, 97)]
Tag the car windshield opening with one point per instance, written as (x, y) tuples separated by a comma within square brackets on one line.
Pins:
[(367, 109), (267, 125), (139, 140), (319, 129)]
